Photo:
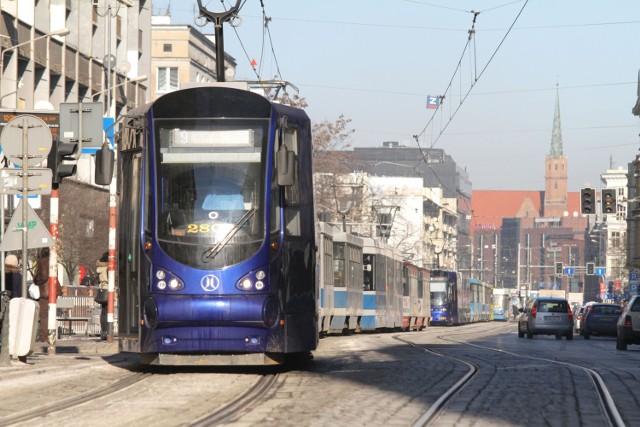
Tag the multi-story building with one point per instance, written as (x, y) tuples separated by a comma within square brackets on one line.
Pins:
[(437, 171), (519, 236), (610, 232), (182, 55), (102, 56)]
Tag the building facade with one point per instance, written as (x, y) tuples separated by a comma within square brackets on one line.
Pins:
[(520, 236), (101, 57), (182, 55)]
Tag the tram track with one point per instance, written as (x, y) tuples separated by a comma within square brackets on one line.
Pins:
[(237, 407), (70, 402), (610, 412), (224, 405)]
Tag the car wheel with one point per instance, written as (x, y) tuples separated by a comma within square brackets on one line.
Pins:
[(620, 343), (569, 336), (587, 335), (529, 333), (520, 332)]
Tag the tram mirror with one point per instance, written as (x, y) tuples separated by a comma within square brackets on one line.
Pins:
[(285, 167), (105, 159)]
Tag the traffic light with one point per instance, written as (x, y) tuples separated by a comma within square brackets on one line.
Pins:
[(587, 201), (591, 269), (59, 153), (559, 268), (608, 201)]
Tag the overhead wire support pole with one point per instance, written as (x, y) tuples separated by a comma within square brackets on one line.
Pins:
[(218, 19)]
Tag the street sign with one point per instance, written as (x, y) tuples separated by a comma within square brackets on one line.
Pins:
[(569, 271), (37, 234), (81, 123), (601, 271), (38, 139), (39, 181)]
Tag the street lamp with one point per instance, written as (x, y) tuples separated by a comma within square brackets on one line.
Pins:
[(61, 32), (139, 78)]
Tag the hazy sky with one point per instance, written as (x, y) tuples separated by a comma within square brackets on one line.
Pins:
[(377, 61)]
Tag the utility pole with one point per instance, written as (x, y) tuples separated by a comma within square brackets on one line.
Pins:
[(219, 18)]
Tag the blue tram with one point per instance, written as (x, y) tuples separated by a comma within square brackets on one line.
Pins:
[(416, 305), (480, 298), (347, 282), (445, 298), (382, 297), (216, 259), (324, 272)]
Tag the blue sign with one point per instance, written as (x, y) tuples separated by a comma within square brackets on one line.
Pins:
[(569, 271), (601, 271), (433, 102)]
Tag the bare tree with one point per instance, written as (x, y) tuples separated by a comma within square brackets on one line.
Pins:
[(330, 145), (83, 227)]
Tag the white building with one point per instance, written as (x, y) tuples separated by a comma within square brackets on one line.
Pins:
[(614, 227)]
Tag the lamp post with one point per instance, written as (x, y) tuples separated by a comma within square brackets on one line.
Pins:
[(61, 32), (137, 79)]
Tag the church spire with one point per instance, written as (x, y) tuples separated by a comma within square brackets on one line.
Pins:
[(556, 136)]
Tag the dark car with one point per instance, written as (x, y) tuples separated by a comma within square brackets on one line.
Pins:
[(600, 319), (546, 316), (629, 324)]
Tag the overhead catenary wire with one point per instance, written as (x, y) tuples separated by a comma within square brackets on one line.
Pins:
[(470, 37)]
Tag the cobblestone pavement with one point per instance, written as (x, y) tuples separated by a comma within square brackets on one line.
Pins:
[(358, 380)]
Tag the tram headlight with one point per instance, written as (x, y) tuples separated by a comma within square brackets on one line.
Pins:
[(254, 281), (166, 281), (246, 284)]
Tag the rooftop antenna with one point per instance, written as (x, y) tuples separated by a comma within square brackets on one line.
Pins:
[(219, 18)]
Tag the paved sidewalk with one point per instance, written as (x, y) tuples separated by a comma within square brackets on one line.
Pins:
[(81, 346), (66, 351)]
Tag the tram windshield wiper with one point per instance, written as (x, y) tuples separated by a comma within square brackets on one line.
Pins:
[(211, 253)]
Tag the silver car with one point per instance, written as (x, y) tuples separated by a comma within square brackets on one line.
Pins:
[(628, 327), (546, 316)]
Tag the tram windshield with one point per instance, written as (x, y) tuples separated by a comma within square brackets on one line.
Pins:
[(211, 176), (438, 293)]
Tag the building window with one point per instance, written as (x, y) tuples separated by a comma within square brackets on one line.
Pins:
[(167, 47), (167, 79)]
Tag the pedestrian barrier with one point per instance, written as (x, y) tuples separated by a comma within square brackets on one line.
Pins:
[(78, 315)]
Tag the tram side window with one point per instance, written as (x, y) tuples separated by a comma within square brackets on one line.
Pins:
[(405, 282), (292, 193), (368, 272), (328, 259), (338, 265), (420, 285), (381, 274), (355, 266)]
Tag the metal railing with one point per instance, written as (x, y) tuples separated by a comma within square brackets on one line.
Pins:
[(79, 315)]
